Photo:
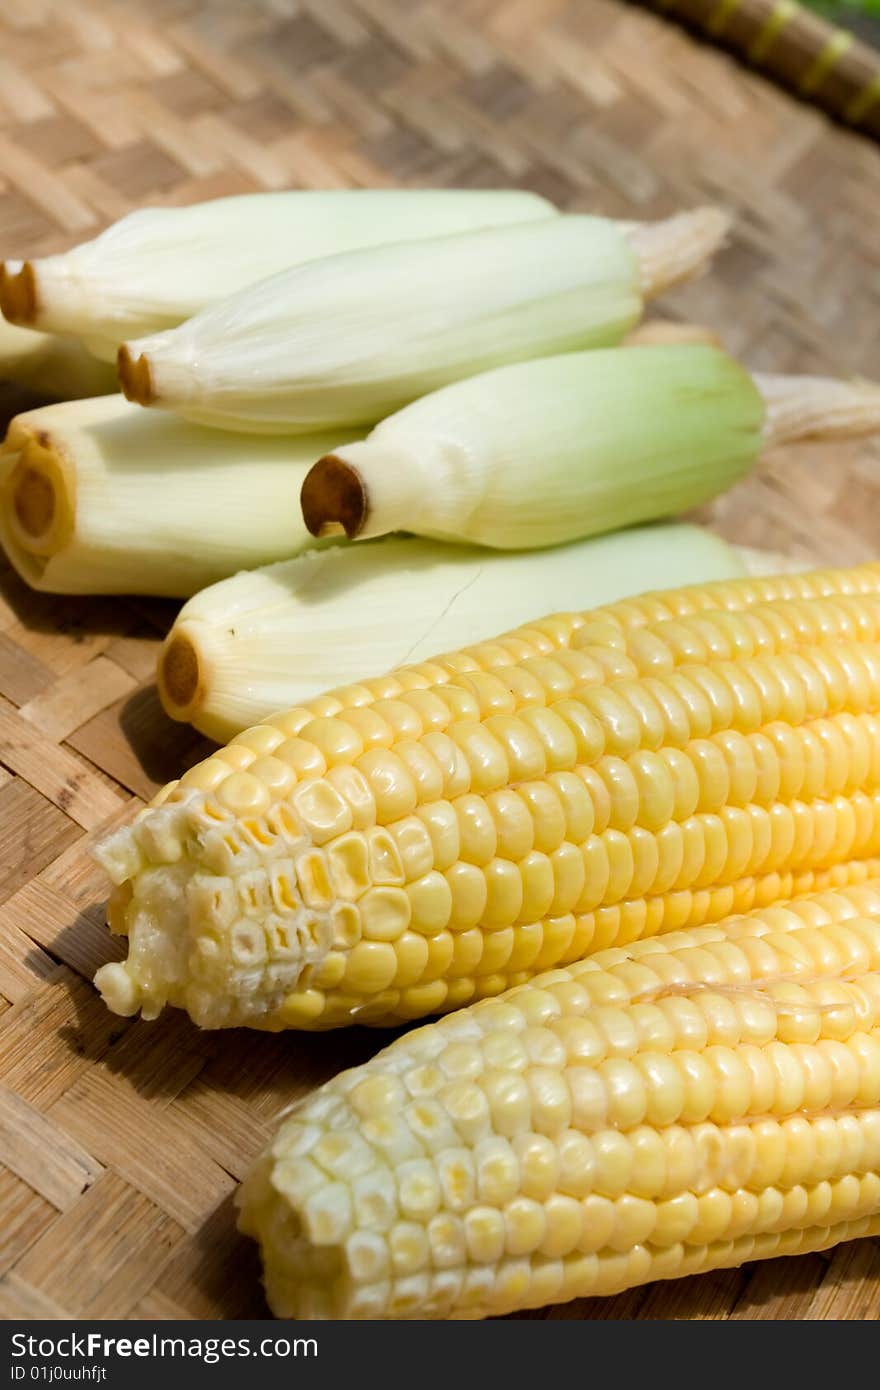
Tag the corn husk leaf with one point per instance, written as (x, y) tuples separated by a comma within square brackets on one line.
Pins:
[(269, 639), (98, 496), (157, 266), (545, 451)]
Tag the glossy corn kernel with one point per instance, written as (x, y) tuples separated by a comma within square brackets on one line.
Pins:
[(683, 1104), (667, 764)]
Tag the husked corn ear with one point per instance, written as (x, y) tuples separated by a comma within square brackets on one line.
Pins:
[(547, 448), (157, 266), (348, 339), (679, 1105), (555, 447), (429, 846), (98, 496)]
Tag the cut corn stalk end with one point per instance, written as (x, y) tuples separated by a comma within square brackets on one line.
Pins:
[(34, 503), (18, 292), (37, 499), (677, 249), (179, 674), (135, 376), (334, 498)]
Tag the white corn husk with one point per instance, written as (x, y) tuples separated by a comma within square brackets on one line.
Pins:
[(50, 367), (348, 339), (545, 451), (98, 496), (157, 266), (269, 639)]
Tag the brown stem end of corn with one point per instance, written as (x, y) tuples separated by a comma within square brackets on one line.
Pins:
[(135, 377), (18, 293), (34, 502), (179, 676), (334, 499)]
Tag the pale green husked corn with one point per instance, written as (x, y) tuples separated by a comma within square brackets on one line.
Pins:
[(347, 339), (158, 266), (98, 496), (675, 1106), (267, 639), (544, 451), (445, 832)]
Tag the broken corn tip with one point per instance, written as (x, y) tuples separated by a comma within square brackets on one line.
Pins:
[(135, 376), (18, 292), (118, 990)]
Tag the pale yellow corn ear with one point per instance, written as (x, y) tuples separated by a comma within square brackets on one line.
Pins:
[(675, 1106), (157, 266), (349, 339), (407, 847)]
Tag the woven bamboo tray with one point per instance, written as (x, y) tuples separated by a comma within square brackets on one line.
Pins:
[(812, 58), (121, 1142)]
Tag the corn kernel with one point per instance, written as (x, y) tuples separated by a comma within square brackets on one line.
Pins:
[(372, 965)]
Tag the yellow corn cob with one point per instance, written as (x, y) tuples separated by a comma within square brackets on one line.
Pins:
[(430, 846), (682, 1105)]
